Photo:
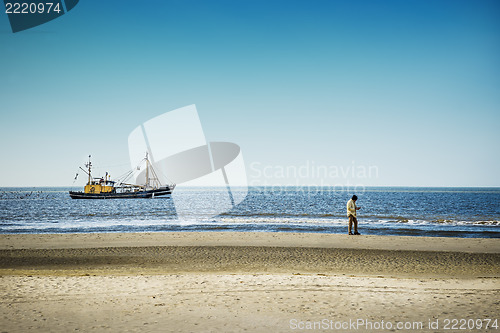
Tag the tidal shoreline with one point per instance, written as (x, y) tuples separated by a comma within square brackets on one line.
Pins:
[(235, 282)]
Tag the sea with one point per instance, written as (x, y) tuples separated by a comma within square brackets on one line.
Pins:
[(406, 211)]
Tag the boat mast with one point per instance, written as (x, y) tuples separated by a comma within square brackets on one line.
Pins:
[(89, 165), (147, 171)]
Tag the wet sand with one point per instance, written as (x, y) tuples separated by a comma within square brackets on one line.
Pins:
[(243, 282)]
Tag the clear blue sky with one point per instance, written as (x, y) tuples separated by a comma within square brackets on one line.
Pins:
[(411, 87)]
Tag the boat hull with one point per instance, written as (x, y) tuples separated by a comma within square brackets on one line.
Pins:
[(123, 195)]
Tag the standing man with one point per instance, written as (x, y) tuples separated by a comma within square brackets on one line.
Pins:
[(351, 214)]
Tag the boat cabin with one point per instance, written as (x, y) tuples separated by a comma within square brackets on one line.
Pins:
[(100, 185)]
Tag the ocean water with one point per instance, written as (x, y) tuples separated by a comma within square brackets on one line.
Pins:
[(441, 212)]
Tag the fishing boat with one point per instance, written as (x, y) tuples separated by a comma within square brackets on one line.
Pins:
[(105, 188)]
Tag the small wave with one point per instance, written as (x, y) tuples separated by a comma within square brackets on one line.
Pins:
[(486, 222), (281, 220)]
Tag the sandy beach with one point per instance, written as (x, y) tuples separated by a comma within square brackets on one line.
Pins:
[(256, 282)]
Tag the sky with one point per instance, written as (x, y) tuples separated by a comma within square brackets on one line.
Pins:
[(372, 93)]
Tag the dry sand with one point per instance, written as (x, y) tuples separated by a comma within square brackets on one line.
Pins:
[(256, 282)]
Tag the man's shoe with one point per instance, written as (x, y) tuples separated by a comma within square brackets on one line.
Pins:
[(351, 233), (357, 233)]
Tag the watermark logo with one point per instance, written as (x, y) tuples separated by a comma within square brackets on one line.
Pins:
[(312, 177), (210, 177), (26, 14)]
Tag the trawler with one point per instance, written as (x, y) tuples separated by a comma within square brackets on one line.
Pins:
[(105, 188)]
